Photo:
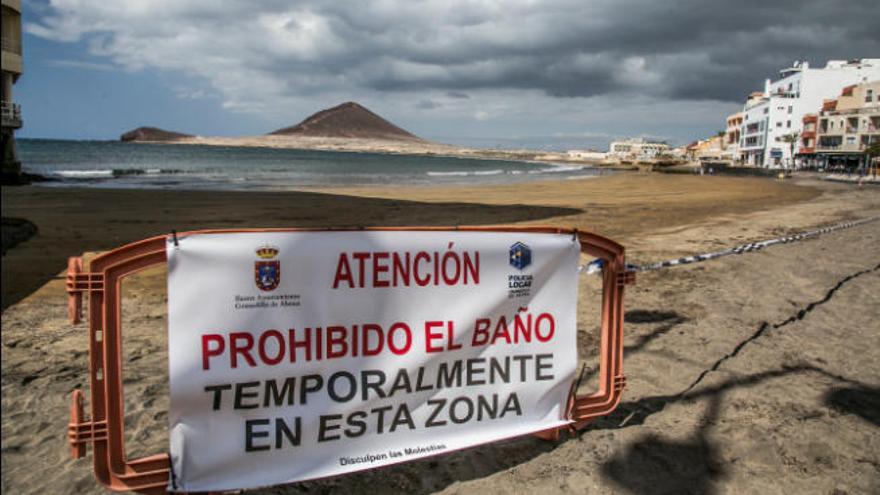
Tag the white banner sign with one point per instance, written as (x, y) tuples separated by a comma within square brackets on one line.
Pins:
[(298, 355)]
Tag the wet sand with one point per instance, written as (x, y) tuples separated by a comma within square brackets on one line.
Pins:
[(757, 373)]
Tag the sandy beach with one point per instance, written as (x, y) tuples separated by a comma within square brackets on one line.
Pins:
[(757, 373)]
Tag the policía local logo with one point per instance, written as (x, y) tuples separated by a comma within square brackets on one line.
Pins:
[(267, 270), (520, 256)]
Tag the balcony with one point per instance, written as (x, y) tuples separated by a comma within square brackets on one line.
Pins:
[(853, 111), (10, 44), (841, 148), (11, 114)]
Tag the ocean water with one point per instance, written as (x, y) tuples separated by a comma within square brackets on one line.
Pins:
[(143, 166)]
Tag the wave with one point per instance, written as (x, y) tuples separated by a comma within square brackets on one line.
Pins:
[(465, 173), (108, 173), (83, 174), (555, 169), (558, 169)]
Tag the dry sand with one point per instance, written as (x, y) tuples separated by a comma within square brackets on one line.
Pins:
[(368, 145), (757, 373)]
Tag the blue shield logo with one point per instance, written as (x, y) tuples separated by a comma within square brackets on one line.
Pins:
[(520, 256)]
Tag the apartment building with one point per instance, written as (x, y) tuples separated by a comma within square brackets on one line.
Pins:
[(10, 39), (807, 148), (779, 110), (753, 133), (845, 128), (732, 136)]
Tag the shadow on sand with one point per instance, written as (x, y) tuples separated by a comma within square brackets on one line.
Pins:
[(861, 401), (667, 321), (72, 221), (654, 464)]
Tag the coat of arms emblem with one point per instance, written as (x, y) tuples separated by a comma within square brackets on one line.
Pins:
[(267, 270)]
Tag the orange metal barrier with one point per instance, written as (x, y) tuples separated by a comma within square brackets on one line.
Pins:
[(102, 283)]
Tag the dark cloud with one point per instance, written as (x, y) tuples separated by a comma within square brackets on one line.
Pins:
[(681, 50), (427, 105), (695, 49)]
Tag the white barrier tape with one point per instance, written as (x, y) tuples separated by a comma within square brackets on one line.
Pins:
[(595, 266)]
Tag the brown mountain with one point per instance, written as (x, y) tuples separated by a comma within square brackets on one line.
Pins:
[(349, 120), (152, 134)]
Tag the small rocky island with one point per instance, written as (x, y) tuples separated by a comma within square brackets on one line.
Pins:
[(152, 134)]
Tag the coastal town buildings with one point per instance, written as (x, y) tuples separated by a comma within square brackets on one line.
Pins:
[(637, 149), (837, 137), (10, 38), (776, 114), (712, 149)]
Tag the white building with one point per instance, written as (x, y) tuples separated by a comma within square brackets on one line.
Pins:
[(780, 108), (753, 133), (637, 149)]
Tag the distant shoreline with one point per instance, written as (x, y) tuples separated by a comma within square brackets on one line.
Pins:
[(359, 145), (381, 146), (283, 163)]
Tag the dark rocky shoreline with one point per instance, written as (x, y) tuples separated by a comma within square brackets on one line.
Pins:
[(23, 179), (15, 231)]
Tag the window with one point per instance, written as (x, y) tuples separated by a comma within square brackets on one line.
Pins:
[(766, 111), (779, 124), (790, 108), (788, 124), (869, 95), (829, 141), (851, 140)]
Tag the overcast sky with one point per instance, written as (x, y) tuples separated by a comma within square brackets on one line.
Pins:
[(558, 74)]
